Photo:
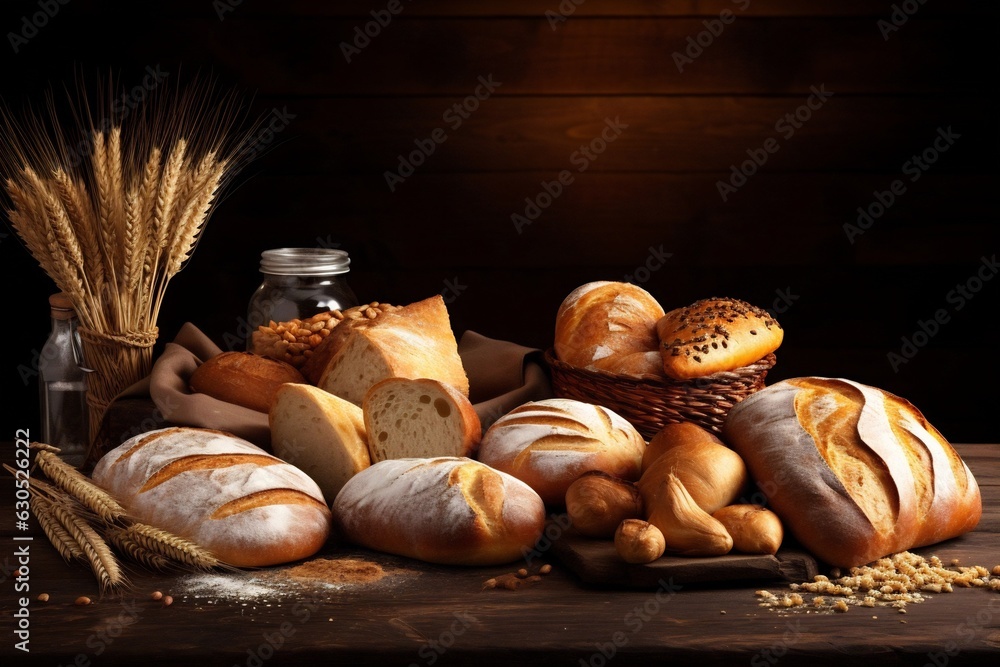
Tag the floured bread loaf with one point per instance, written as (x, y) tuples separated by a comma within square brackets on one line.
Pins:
[(247, 507), (549, 444), (419, 419), (855, 472), (446, 510), (414, 341), (322, 434)]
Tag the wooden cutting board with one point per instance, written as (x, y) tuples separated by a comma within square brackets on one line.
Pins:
[(597, 562)]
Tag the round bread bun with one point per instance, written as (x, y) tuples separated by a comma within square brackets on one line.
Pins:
[(609, 326)]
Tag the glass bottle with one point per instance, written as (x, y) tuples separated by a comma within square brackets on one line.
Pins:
[(299, 283), (62, 383)]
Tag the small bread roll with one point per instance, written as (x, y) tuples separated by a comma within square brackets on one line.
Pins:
[(638, 541), (715, 335), (243, 378), (676, 435), (597, 503), (754, 529), (609, 326)]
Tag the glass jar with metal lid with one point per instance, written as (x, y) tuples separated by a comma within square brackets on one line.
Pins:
[(299, 283)]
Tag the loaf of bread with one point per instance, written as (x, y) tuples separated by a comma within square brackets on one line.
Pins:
[(715, 335), (448, 510), (414, 341), (319, 433), (419, 419), (854, 472), (243, 378), (320, 355), (609, 326), (247, 507), (548, 444)]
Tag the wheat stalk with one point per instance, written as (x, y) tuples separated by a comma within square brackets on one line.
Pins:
[(112, 230), (173, 547), (60, 539), (99, 556), (72, 481), (121, 539)]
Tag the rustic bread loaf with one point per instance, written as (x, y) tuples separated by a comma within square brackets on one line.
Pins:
[(243, 378), (715, 335), (548, 444), (414, 341), (250, 509), (321, 434), (342, 323), (609, 326), (854, 472), (419, 419), (446, 510)]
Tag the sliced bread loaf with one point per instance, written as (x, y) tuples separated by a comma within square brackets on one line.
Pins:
[(319, 433), (420, 418)]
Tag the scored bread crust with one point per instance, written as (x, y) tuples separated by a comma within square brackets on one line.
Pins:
[(396, 407), (548, 444), (715, 335), (609, 326), (448, 510), (248, 508), (855, 472)]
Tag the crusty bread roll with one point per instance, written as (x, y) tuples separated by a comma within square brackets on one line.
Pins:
[(419, 419), (414, 341), (345, 321), (676, 435), (243, 378), (321, 434), (548, 444), (247, 507), (446, 510), (715, 335), (609, 326), (854, 472)]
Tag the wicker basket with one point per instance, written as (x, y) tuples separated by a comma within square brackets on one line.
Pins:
[(651, 403)]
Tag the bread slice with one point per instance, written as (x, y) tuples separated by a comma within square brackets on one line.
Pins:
[(419, 419), (319, 433), (415, 341)]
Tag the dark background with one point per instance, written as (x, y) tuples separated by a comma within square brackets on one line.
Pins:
[(778, 241)]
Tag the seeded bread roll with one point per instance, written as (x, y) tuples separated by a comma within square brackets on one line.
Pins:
[(609, 326), (448, 510), (715, 335), (243, 378), (854, 472), (549, 444), (419, 419), (247, 507)]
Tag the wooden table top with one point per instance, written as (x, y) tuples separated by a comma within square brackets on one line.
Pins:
[(427, 615)]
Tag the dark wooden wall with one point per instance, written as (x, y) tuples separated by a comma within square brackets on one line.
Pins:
[(321, 181)]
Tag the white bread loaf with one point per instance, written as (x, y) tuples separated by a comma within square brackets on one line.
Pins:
[(448, 510), (419, 419), (250, 509), (548, 444), (715, 335), (609, 326), (321, 434), (414, 341), (854, 472)]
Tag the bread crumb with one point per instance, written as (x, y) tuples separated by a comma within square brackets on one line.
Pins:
[(545, 569), (43, 597), (840, 606)]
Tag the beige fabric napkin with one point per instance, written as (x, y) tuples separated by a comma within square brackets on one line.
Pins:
[(502, 376)]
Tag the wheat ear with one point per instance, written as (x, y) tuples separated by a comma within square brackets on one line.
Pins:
[(102, 561), (173, 547), (72, 481), (60, 539), (120, 538)]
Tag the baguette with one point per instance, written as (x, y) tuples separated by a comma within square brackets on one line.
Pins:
[(248, 508)]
